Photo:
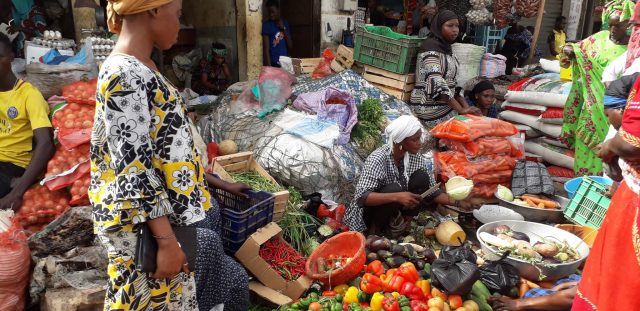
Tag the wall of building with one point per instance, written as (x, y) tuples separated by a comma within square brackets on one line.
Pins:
[(214, 21), (337, 19)]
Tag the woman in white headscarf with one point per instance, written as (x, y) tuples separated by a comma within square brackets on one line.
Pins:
[(392, 179)]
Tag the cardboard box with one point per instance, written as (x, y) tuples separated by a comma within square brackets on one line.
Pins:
[(249, 258), (242, 162)]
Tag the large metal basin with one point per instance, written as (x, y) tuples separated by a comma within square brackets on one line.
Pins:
[(539, 214), (536, 232)]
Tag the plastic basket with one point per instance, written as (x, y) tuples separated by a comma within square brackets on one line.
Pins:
[(380, 47), (589, 204), (241, 217)]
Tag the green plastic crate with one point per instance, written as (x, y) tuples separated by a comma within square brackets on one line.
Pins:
[(380, 47), (589, 204)]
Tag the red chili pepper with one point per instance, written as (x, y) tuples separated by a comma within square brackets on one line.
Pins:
[(419, 305), (329, 293)]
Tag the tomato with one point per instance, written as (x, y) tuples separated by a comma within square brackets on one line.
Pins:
[(315, 306)]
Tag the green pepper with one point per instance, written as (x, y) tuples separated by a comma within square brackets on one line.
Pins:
[(295, 306), (304, 303), (405, 308), (338, 297), (314, 297), (354, 307), (403, 301), (336, 307), (363, 297)]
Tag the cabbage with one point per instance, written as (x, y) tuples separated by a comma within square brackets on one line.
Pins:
[(504, 193), (458, 188)]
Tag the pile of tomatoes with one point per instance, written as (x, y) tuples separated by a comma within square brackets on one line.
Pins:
[(64, 159), (74, 116), (81, 92), (79, 191), (41, 205)]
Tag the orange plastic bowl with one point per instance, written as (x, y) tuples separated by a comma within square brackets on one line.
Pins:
[(344, 245)]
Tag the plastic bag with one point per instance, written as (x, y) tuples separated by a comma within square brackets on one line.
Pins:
[(66, 166), (485, 146), (273, 90), (467, 128), (73, 123), (453, 163), (531, 178), (486, 191), (324, 67), (81, 92), (499, 276), (454, 271), (15, 268), (331, 104), (41, 206)]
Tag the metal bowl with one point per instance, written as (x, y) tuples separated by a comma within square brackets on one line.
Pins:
[(539, 214), (536, 232)]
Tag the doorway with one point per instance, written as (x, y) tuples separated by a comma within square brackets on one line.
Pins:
[(304, 20)]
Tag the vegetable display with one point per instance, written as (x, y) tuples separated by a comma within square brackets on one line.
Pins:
[(256, 181), (527, 200), (63, 160), (81, 92), (74, 116), (41, 205), (368, 131), (283, 258), (548, 250), (79, 191)]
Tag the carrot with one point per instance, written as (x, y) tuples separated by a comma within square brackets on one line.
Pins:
[(546, 203), (541, 205), (529, 202)]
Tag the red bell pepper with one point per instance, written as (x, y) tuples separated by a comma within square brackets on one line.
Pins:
[(419, 305), (324, 211), (394, 283), (390, 303), (412, 291), (375, 268), (409, 272), (370, 283), (329, 293)]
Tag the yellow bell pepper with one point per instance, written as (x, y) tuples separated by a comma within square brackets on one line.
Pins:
[(395, 294), (376, 302), (341, 289), (351, 295), (425, 286)]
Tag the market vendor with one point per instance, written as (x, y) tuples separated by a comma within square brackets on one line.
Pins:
[(392, 179), (214, 75), (557, 38), (483, 96), (560, 297), (26, 138)]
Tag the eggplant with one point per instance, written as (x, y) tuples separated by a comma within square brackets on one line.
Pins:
[(395, 261), (371, 257), (370, 240), (519, 236), (380, 244), (419, 264), (382, 255), (397, 250), (429, 255)]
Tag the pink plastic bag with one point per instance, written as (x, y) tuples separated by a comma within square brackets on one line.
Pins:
[(15, 268), (324, 68)]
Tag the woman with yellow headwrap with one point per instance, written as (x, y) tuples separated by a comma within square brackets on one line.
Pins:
[(146, 173), (585, 125)]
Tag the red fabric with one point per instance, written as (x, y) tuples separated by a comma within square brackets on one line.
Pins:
[(633, 48), (531, 112), (631, 118), (610, 279), (557, 171), (553, 113)]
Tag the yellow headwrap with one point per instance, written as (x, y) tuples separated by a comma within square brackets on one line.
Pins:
[(118, 8)]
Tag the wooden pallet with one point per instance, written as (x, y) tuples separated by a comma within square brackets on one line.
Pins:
[(305, 65), (397, 85)]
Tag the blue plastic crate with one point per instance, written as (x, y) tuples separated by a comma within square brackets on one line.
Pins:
[(241, 217)]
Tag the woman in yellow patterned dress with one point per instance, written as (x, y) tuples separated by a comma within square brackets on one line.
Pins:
[(145, 169)]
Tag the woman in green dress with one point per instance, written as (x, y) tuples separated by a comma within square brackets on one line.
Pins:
[(585, 125)]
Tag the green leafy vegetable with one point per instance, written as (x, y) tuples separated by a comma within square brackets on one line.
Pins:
[(256, 181), (368, 131)]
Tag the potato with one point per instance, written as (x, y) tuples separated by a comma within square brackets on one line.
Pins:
[(546, 250)]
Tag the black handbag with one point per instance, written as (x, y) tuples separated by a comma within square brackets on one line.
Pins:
[(147, 247)]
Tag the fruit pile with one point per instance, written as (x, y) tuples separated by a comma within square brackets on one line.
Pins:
[(41, 205)]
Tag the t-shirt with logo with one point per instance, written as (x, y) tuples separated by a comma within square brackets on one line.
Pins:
[(277, 42), (22, 110)]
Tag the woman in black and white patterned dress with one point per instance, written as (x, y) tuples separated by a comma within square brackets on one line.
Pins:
[(434, 98)]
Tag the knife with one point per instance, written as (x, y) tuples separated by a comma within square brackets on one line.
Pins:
[(430, 191)]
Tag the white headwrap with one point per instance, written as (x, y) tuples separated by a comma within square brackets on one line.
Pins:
[(400, 129)]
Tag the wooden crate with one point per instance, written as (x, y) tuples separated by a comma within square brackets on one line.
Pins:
[(397, 85), (305, 65), (343, 60), (242, 162)]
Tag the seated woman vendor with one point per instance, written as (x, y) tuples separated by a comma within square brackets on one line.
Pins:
[(393, 178), (215, 75), (483, 96)]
